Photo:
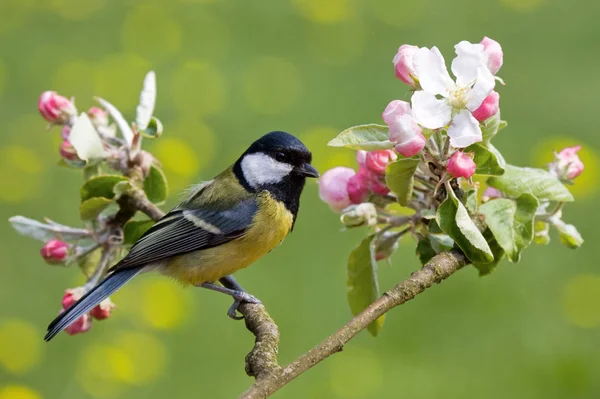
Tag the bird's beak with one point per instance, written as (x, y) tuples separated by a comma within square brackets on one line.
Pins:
[(307, 170)]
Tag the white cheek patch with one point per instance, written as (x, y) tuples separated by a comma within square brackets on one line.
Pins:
[(260, 169)]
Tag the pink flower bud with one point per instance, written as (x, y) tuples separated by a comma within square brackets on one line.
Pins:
[(488, 108), (567, 164), (55, 251), (64, 133), (491, 193), (403, 64), (376, 161), (461, 164), (412, 146), (55, 108), (358, 187), (361, 157), (71, 296), (394, 109), (81, 325), (378, 186), (103, 309), (98, 116), (333, 187), (67, 151), (493, 50)]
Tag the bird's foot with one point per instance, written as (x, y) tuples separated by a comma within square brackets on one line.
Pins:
[(238, 296)]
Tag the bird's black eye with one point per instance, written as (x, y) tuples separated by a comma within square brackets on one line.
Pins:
[(281, 157)]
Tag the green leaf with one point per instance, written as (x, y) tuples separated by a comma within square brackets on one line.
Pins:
[(45, 231), (362, 286), (424, 250), (399, 178), (145, 109), (511, 222), (91, 208), (454, 220), (101, 186), (538, 182), (155, 185), (498, 155), (85, 140), (486, 161), (487, 268), (89, 262), (363, 137), (153, 130), (470, 199), (121, 188), (490, 127), (569, 235), (134, 229)]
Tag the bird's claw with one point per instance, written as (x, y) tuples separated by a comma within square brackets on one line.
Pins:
[(239, 297)]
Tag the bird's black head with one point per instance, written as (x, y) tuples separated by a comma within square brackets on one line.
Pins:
[(279, 163)]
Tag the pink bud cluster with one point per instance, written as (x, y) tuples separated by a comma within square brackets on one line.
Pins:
[(341, 187), (84, 323), (59, 110), (567, 165)]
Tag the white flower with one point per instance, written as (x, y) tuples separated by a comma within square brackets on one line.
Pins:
[(474, 82)]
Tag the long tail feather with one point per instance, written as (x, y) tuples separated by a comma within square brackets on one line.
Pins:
[(87, 302)]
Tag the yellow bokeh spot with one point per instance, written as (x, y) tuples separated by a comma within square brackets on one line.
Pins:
[(20, 347), (329, 11), (3, 74), (118, 78), (13, 13), (399, 14), (325, 157), (146, 357), (580, 300), (76, 9), (152, 32), (71, 79), (522, 5), (131, 358), (177, 156), (197, 88), (163, 304), (358, 375), (20, 170), (271, 85), (585, 184), (97, 371), (337, 45), (18, 392)]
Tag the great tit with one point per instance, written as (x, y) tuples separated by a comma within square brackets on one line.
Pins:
[(224, 225)]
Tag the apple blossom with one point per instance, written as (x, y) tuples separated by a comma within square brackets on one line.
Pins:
[(55, 251), (333, 187), (55, 108), (461, 164), (358, 186), (474, 83), (376, 161), (403, 130), (567, 164), (102, 310), (67, 151), (403, 64), (488, 108), (493, 52), (98, 116), (81, 325)]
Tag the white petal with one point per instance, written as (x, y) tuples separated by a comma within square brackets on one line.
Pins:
[(483, 87), (430, 112), (430, 68), (469, 57), (403, 128), (464, 130)]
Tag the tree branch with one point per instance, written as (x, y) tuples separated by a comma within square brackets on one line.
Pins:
[(437, 269)]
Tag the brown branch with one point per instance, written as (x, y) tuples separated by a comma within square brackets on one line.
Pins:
[(437, 269)]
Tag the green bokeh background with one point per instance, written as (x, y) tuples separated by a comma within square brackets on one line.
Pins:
[(229, 71)]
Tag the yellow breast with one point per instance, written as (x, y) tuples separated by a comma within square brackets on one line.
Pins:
[(269, 227)]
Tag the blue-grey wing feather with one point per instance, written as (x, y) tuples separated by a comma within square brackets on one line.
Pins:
[(186, 230)]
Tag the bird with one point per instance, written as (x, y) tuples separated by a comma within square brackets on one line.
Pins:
[(223, 225)]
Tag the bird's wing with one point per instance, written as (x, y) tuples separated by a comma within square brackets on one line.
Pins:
[(186, 230)]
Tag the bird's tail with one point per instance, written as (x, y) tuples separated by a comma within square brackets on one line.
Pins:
[(87, 302)]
